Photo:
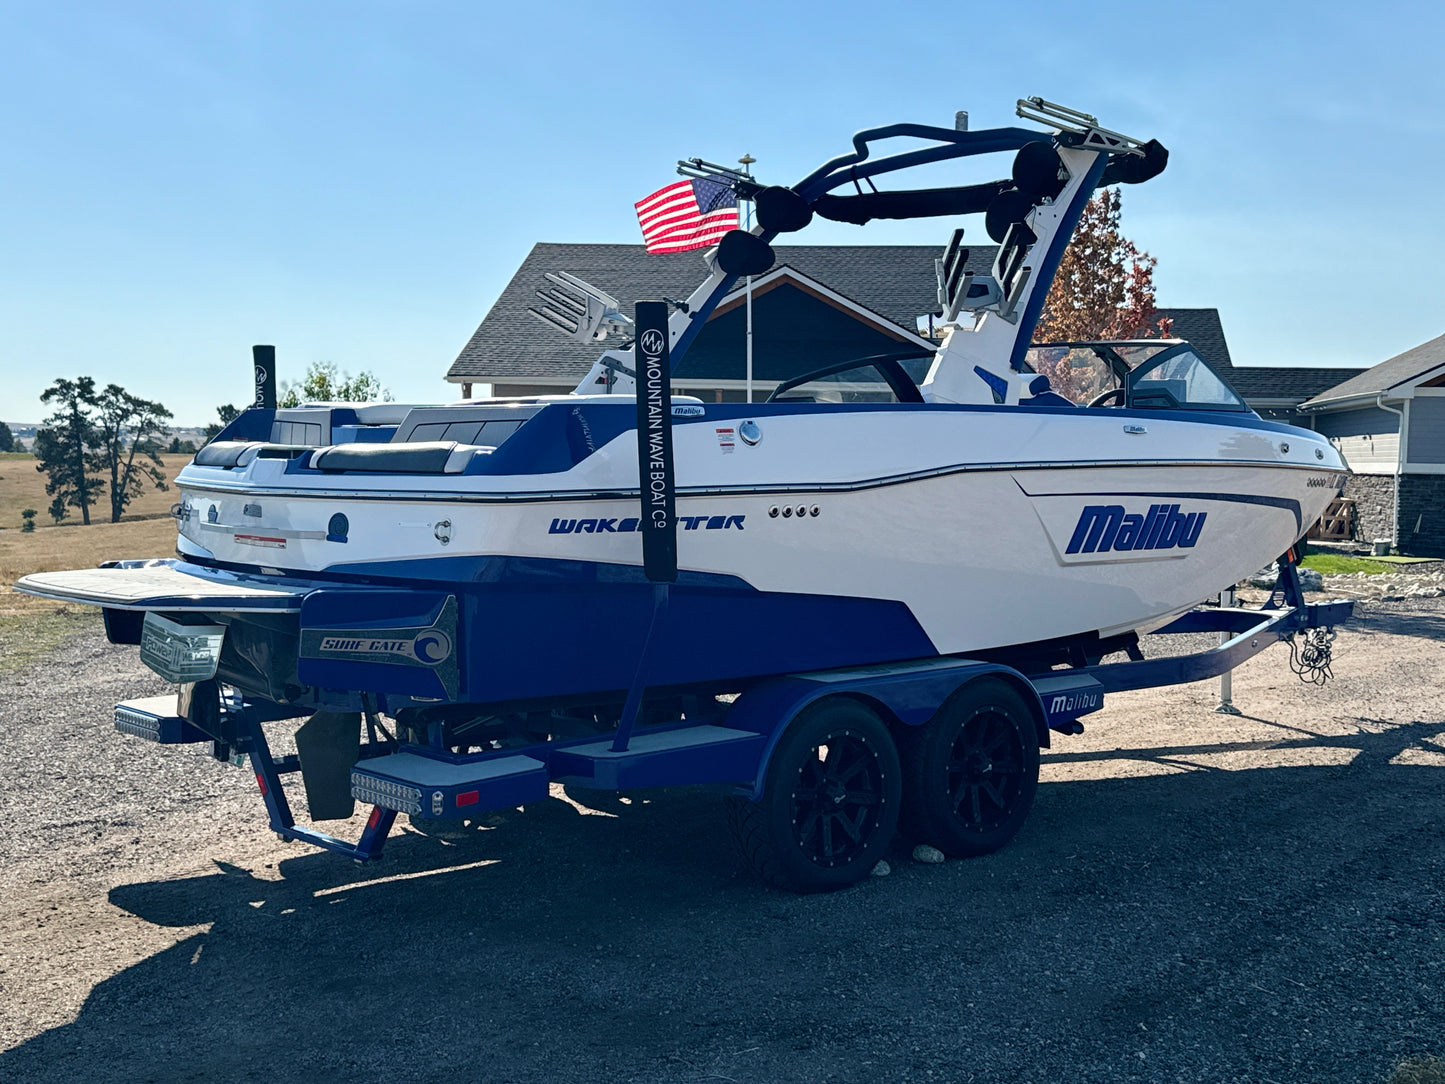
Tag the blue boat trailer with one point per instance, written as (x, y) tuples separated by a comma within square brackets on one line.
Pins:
[(820, 768)]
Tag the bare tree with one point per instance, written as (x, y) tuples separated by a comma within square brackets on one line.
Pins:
[(129, 433)]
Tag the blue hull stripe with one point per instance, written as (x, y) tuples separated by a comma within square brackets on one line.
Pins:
[(535, 496), (1286, 503)]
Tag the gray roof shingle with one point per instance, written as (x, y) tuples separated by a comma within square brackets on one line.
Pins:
[(1286, 382), (895, 281), (1393, 372)]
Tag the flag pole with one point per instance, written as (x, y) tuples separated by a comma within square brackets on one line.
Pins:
[(746, 161)]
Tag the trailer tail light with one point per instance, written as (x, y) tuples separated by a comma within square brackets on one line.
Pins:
[(386, 793), (469, 797)]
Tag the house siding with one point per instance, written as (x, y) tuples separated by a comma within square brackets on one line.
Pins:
[(1426, 434), (1369, 438)]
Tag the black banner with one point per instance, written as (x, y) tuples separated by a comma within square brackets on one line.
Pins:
[(265, 359), (654, 442)]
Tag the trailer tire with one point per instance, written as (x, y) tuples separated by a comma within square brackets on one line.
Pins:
[(970, 772), (830, 802)]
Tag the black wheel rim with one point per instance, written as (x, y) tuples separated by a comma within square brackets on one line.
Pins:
[(985, 771), (838, 800)]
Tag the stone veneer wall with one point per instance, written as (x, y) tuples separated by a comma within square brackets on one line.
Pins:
[(1422, 502), (1374, 497)]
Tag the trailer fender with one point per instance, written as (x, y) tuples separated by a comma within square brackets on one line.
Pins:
[(904, 694)]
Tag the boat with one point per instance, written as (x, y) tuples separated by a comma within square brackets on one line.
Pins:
[(480, 564)]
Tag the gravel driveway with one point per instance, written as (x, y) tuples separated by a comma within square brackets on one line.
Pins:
[(1194, 898)]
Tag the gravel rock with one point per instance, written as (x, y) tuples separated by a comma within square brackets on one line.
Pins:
[(1243, 898), (926, 853)]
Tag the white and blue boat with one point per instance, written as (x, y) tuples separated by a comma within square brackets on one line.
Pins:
[(470, 561)]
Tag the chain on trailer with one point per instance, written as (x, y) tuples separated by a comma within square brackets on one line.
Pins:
[(1310, 659)]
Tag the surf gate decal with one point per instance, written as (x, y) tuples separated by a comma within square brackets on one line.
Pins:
[(1107, 527)]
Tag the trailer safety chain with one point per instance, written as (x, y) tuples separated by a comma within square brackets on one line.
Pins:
[(1311, 660)]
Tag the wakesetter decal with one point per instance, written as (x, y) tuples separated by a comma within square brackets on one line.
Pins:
[(631, 524)]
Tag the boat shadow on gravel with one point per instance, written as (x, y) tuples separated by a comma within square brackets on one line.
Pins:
[(562, 946)]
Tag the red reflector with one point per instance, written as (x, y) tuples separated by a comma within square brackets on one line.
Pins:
[(261, 782), (469, 797), (375, 816)]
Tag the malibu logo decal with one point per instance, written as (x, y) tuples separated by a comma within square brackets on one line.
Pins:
[(632, 523), (1105, 528)]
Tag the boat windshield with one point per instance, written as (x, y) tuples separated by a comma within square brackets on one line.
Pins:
[(884, 379), (1148, 375)]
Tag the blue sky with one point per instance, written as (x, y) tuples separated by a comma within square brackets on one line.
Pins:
[(355, 182)]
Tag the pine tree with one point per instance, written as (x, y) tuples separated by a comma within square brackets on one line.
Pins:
[(65, 447)]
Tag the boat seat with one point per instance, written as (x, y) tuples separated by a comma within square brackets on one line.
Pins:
[(238, 453), (419, 457), (1048, 398), (222, 453)]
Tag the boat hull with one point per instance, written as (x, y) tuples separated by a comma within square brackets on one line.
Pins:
[(839, 538)]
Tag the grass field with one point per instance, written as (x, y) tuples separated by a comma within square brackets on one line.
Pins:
[(49, 548), (22, 486), (30, 626)]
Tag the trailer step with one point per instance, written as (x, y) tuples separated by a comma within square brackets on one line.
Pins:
[(430, 787), (154, 718), (688, 754)]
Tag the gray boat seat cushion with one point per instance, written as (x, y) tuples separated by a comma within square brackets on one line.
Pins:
[(420, 457)]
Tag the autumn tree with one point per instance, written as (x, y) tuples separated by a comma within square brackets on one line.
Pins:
[(1104, 287), (325, 382), (129, 434), (65, 445), (1102, 291)]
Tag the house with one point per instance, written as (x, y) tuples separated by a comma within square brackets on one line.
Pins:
[(818, 304), (1389, 423)]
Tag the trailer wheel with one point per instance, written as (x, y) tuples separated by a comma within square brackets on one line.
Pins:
[(971, 771), (830, 804)]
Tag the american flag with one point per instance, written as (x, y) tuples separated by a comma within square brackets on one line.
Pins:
[(687, 215)]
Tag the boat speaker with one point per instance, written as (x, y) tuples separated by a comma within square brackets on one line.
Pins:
[(1004, 210), (1038, 171), (781, 210), (742, 253)]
